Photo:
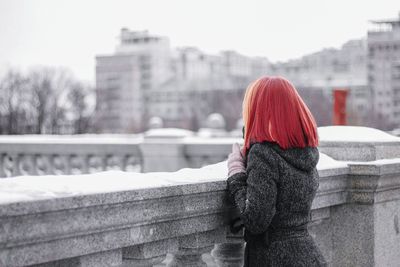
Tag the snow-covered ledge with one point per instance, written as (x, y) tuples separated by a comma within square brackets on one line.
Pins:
[(358, 143), (124, 219)]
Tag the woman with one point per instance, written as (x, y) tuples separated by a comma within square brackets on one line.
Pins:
[(273, 178)]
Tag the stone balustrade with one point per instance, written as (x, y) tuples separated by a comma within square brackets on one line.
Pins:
[(117, 218), (161, 150), (40, 155), (112, 218)]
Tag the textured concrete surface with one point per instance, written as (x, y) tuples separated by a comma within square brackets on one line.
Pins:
[(352, 235), (387, 233)]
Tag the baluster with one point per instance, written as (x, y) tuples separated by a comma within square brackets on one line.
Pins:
[(8, 165), (113, 162), (60, 164), (42, 164), (192, 247), (131, 164), (231, 252), (77, 164), (95, 164), (148, 254), (26, 165)]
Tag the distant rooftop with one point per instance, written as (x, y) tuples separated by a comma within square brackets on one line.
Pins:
[(131, 37), (393, 22)]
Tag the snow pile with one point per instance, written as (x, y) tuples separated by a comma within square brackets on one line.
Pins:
[(26, 188), (354, 134)]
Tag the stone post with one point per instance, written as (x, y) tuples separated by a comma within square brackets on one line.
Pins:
[(366, 228), (163, 151)]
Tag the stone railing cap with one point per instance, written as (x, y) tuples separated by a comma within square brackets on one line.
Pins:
[(23, 189), (355, 134)]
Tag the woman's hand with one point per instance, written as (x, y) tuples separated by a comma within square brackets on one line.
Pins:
[(236, 161)]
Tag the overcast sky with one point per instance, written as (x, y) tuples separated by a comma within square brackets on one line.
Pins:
[(71, 32)]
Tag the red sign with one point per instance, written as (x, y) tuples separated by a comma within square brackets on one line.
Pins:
[(339, 106)]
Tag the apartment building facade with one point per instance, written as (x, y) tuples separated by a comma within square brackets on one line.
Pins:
[(147, 78), (384, 71)]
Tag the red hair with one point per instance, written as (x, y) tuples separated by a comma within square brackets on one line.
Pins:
[(274, 111)]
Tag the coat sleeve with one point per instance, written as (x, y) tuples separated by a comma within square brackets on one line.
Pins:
[(254, 192)]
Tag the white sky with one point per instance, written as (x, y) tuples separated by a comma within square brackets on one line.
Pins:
[(71, 32)]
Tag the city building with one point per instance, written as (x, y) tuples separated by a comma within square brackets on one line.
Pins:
[(203, 84), (146, 78), (384, 71), (141, 62), (318, 74)]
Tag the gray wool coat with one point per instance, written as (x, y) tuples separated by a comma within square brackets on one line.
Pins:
[(274, 199)]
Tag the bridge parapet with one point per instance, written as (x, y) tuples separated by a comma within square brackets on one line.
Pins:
[(117, 218)]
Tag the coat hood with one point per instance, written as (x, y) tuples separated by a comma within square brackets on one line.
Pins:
[(302, 158)]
